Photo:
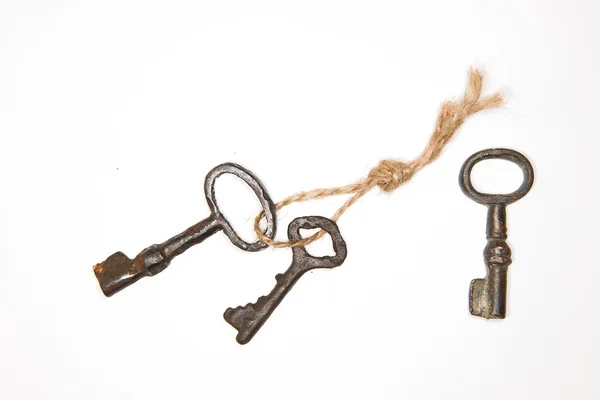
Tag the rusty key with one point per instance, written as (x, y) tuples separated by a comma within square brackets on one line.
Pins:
[(250, 318), (118, 271), (488, 295)]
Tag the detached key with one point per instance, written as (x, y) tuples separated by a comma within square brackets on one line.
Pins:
[(488, 295), (250, 318), (119, 271)]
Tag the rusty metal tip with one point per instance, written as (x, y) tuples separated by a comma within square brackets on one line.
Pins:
[(99, 268), (99, 272), (116, 273)]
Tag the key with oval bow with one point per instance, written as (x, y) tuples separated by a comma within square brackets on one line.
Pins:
[(488, 295), (119, 271)]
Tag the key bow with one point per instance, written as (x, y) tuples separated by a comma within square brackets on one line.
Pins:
[(487, 296)]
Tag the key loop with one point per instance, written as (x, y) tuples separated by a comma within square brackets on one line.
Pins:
[(327, 225), (488, 198), (259, 191)]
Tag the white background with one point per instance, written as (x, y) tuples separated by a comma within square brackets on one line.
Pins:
[(112, 112)]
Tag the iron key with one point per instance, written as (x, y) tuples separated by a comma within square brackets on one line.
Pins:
[(118, 271), (250, 318), (488, 295)]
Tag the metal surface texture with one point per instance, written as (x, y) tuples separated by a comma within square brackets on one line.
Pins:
[(488, 296), (118, 271), (251, 317)]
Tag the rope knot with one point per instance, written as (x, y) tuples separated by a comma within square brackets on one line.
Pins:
[(390, 174)]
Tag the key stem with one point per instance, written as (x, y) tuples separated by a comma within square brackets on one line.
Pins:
[(158, 257), (496, 222), (192, 236)]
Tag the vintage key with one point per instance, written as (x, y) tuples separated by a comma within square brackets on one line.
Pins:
[(488, 295), (118, 271), (250, 318)]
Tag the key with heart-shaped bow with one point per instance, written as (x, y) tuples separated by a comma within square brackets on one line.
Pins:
[(251, 317)]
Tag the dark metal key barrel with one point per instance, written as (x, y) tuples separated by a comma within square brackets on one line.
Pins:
[(119, 271)]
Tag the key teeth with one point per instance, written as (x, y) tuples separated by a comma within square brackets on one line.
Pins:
[(230, 313), (480, 304), (259, 302), (477, 303), (117, 272), (240, 316), (244, 319)]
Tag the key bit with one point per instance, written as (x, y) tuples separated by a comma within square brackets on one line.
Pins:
[(487, 297), (119, 271), (251, 317)]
